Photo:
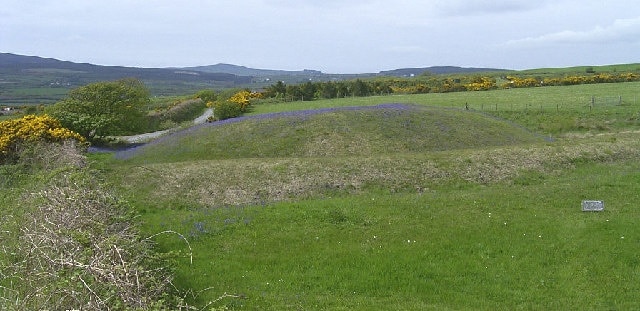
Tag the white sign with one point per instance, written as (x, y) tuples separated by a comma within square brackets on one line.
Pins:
[(592, 206)]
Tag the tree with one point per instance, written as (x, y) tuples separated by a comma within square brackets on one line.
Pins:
[(308, 91), (328, 90), (294, 92), (277, 90), (361, 88), (207, 96), (104, 108)]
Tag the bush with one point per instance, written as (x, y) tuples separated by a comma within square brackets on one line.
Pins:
[(73, 244), (226, 110), (185, 111), (18, 134), (207, 95), (104, 109)]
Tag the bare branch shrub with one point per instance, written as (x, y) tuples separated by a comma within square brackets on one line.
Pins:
[(77, 248), (48, 156)]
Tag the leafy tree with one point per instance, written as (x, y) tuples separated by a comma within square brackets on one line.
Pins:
[(343, 90), (104, 108), (207, 96), (360, 88), (308, 91), (295, 92), (276, 90), (329, 90)]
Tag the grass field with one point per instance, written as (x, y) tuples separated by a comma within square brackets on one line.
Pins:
[(420, 208), (554, 110), (576, 98), (521, 246)]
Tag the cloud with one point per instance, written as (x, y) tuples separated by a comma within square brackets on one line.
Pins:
[(621, 30), (483, 7), (406, 49), (320, 4)]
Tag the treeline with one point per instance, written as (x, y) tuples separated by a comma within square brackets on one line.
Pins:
[(428, 84)]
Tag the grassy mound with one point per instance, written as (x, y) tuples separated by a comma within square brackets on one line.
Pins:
[(354, 131)]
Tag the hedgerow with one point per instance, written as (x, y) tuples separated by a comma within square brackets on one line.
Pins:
[(69, 242), (430, 84)]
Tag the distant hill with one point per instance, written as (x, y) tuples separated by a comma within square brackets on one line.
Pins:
[(245, 71), (12, 63), (37, 80), (53, 78), (8, 59), (407, 72)]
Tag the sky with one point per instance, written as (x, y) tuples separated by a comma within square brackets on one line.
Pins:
[(334, 36)]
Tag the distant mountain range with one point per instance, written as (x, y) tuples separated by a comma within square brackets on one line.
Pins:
[(219, 72), (36, 80), (406, 72), (252, 72), (20, 75), (12, 63)]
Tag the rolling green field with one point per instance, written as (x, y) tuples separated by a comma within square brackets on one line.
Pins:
[(525, 245), (576, 98), (548, 110), (419, 206)]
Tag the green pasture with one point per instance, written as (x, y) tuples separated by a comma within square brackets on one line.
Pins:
[(552, 110), (443, 201), (576, 98), (521, 245), (32, 95), (359, 210), (580, 70)]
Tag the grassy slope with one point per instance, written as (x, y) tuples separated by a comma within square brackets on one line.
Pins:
[(494, 228), (378, 130)]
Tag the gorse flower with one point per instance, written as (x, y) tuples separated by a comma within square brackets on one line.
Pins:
[(32, 128), (243, 98)]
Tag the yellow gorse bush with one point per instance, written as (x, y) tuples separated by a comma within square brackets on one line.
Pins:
[(32, 128), (572, 80), (243, 98)]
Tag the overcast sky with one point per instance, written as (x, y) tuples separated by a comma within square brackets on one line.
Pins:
[(335, 36)]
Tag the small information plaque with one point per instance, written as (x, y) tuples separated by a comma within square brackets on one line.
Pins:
[(592, 206)]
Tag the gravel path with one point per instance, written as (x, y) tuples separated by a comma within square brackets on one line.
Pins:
[(141, 138), (204, 117)]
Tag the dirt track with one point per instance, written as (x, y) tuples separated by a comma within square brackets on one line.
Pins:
[(140, 138)]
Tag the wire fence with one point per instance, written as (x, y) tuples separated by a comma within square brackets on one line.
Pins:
[(586, 104)]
